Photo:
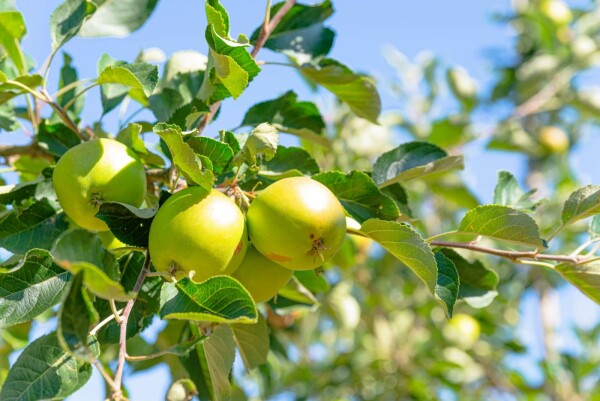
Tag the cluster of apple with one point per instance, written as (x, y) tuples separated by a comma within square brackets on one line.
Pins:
[(294, 224)]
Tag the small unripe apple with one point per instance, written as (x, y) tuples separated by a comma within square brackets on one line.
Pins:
[(261, 276), (463, 330), (97, 171), (297, 222), (198, 235), (556, 10), (554, 139)]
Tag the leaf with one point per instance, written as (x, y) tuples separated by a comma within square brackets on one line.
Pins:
[(33, 287), (130, 137), (219, 153), (82, 251), (595, 227), (312, 281), (413, 160), (502, 223), (359, 195), (68, 76), (129, 224), (509, 193), (301, 33), (586, 277), (407, 246), (181, 390), (210, 364), (56, 138), (291, 158), (288, 115), (260, 145), (12, 30), (111, 95), (117, 18), (44, 371), (35, 226), (581, 204), (8, 120), (9, 90), (220, 299), (252, 342), (397, 193), (76, 317), (140, 76), (477, 282), (145, 307), (188, 115), (217, 15), (230, 68), (447, 287), (66, 20), (357, 91), (184, 158)]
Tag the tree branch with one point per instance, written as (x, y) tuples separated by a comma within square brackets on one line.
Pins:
[(118, 393), (266, 30), (511, 255)]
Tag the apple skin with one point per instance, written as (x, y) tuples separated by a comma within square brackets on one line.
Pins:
[(463, 330), (554, 139), (95, 171), (198, 232), (261, 276), (297, 222)]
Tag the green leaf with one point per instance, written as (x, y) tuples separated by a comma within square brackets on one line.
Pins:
[(129, 224), (217, 15), (130, 137), (82, 251), (291, 158), (117, 18), (595, 227), (359, 195), (230, 68), (413, 160), (397, 193), (33, 287), (29, 167), (502, 223), (447, 287), (463, 86), (44, 371), (9, 90), (407, 246), (357, 91), (509, 193), (184, 158), (76, 317), (583, 203), (188, 115), (140, 76), (182, 390), (68, 75), (210, 364), (56, 138), (12, 30), (301, 33), (220, 299), (260, 145), (252, 342), (8, 120), (288, 115), (66, 20), (230, 139), (477, 282), (35, 226), (312, 281), (145, 308), (586, 277), (219, 153), (450, 131), (111, 94)]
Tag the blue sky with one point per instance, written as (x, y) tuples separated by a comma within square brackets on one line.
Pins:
[(459, 32)]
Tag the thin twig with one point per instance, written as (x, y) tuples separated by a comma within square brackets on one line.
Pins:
[(266, 30), (537, 101), (104, 374), (146, 357), (103, 323), (114, 310), (117, 394), (512, 255)]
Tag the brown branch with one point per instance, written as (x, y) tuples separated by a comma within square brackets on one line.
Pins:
[(512, 255), (266, 30), (535, 103), (118, 393)]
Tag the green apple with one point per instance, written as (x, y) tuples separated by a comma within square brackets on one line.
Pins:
[(297, 222), (554, 139), (463, 330), (261, 276), (96, 171), (198, 234)]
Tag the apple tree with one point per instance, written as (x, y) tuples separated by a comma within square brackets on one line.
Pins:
[(346, 267)]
